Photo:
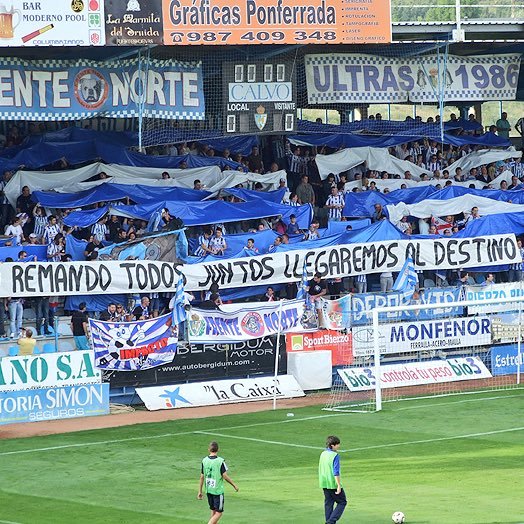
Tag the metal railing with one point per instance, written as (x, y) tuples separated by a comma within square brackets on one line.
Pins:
[(447, 11)]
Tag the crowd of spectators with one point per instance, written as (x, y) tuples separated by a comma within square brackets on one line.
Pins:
[(31, 224)]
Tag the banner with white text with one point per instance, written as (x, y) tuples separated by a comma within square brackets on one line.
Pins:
[(219, 392), (69, 90), (131, 346), (54, 403), (503, 291), (247, 322), (86, 278), (353, 259), (430, 335), (415, 373), (343, 78)]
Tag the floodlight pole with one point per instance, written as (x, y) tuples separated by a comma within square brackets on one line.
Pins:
[(277, 353)]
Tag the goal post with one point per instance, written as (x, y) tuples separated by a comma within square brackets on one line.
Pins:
[(425, 350)]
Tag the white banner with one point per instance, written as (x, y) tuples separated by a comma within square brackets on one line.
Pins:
[(415, 373), (245, 322), (82, 278), (219, 392), (342, 78), (504, 291), (429, 335), (353, 259), (48, 370)]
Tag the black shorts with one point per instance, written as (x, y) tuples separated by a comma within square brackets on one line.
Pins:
[(216, 502)]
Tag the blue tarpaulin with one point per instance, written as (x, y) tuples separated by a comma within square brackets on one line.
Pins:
[(198, 213), (109, 192)]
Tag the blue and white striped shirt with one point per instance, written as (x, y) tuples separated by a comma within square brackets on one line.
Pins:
[(99, 231), (202, 241), (40, 225), (50, 232)]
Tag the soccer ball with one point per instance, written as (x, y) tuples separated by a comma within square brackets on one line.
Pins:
[(398, 517)]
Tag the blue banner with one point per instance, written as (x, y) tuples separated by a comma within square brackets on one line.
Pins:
[(131, 346), (34, 405), (505, 360), (362, 304), (70, 90)]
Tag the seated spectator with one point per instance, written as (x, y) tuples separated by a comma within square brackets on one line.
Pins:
[(489, 280), (33, 240), (109, 315), (26, 343)]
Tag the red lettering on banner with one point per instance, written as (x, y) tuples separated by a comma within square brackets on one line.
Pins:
[(126, 354)]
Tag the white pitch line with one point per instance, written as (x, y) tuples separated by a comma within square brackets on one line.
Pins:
[(440, 439), (262, 441), (165, 435), (455, 402), (9, 522), (378, 446)]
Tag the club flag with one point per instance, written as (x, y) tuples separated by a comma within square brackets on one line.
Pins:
[(302, 293), (179, 312), (132, 346), (407, 279)]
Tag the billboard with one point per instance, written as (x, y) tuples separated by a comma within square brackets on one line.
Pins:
[(57, 23), (73, 89), (219, 392), (259, 98), (48, 370), (220, 22), (135, 22), (34, 405), (210, 361)]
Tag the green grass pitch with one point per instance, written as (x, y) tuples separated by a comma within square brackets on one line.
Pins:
[(456, 459)]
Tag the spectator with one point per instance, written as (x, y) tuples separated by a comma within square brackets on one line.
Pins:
[(273, 247), (121, 314), (203, 243), (109, 315), (515, 270), (218, 244), (51, 230), (254, 161), (92, 247), (15, 230), (386, 281), (16, 311), (335, 204), (24, 203), (212, 303), (293, 228), (305, 191), (489, 280), (56, 250), (316, 289), (79, 327), (361, 283), (378, 214), (26, 343), (503, 126), (250, 246), (41, 305), (269, 295), (142, 311)]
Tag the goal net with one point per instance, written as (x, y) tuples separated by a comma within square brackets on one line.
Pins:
[(424, 350)]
